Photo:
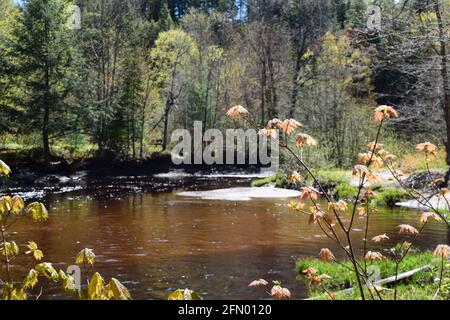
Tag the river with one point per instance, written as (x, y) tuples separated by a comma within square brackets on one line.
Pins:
[(157, 241)]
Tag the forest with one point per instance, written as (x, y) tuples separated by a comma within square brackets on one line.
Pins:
[(136, 70), (353, 94)]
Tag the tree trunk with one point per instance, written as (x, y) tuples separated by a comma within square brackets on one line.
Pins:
[(263, 94), (141, 137), (445, 87), (46, 116), (273, 99), (295, 86), (133, 132), (169, 104), (45, 140), (205, 111)]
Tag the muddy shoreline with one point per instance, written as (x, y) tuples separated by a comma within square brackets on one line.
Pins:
[(28, 171), (110, 178)]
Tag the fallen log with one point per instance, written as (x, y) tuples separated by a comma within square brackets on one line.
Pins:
[(402, 276), (389, 280)]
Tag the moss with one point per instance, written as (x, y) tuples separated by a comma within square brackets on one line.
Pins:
[(333, 175), (279, 179), (342, 278), (390, 196), (383, 196), (345, 191)]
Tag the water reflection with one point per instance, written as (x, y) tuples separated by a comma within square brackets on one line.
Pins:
[(157, 242)]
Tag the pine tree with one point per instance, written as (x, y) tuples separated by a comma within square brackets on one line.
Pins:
[(8, 86), (45, 51)]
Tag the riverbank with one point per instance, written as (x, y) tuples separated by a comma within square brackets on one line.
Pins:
[(421, 285), (342, 185), (28, 169)]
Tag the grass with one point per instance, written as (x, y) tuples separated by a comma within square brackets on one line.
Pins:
[(345, 191), (69, 148), (333, 175), (419, 286), (29, 146), (67, 152), (390, 196), (412, 162), (340, 181), (384, 196), (279, 179), (424, 290)]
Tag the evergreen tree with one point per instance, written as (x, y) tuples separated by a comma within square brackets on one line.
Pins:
[(340, 7), (46, 53), (9, 88), (179, 8), (356, 13)]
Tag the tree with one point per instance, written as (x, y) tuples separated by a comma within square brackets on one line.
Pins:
[(307, 21), (408, 67), (337, 99), (264, 42), (173, 51), (356, 14), (203, 88), (133, 114), (444, 74), (9, 88), (105, 33), (45, 50), (5, 7), (341, 12), (179, 8)]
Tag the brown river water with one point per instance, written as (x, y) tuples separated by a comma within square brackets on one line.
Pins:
[(155, 242)]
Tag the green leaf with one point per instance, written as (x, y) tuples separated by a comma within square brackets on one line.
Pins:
[(32, 245), (96, 288), (85, 256), (38, 254), (46, 269), (68, 282), (38, 211), (117, 290), (184, 294), (4, 169), (11, 293), (17, 204), (31, 280), (12, 249), (5, 204)]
